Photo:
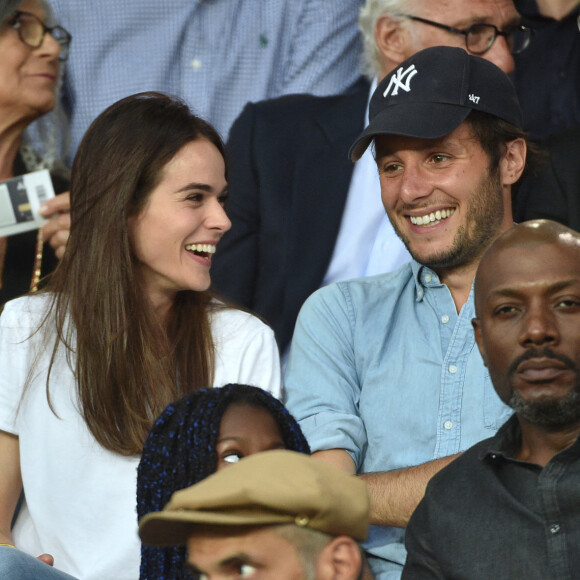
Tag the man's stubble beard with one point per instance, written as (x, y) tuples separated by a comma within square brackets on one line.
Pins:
[(545, 411), (485, 214)]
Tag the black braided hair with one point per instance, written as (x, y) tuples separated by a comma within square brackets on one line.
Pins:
[(181, 450)]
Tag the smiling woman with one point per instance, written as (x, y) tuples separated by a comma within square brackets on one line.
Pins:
[(176, 233), (125, 326), (33, 51)]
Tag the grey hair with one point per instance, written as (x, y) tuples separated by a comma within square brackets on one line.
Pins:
[(7, 8), (371, 58), (44, 144)]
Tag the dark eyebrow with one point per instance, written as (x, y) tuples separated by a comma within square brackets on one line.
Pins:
[(424, 145), (200, 186), (235, 560), (510, 293)]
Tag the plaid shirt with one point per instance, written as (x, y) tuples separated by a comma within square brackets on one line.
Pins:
[(215, 54)]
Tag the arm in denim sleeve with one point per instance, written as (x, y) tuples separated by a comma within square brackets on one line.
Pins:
[(321, 382)]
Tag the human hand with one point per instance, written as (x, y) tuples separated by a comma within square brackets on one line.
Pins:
[(46, 558), (56, 231)]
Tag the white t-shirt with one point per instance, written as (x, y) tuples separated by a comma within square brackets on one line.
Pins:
[(81, 498)]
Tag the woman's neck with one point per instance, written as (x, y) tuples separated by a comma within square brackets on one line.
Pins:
[(161, 301), (161, 310), (9, 146)]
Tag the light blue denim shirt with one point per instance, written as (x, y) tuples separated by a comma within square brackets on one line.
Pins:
[(386, 369)]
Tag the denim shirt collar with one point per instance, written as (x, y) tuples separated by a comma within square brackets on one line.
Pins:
[(424, 278)]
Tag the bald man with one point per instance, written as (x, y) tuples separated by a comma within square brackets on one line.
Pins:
[(509, 507)]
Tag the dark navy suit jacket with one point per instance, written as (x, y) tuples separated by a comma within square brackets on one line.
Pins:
[(289, 176), (555, 192)]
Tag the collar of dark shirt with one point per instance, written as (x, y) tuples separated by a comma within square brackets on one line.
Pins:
[(505, 444)]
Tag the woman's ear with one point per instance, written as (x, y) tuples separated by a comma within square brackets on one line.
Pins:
[(341, 559)]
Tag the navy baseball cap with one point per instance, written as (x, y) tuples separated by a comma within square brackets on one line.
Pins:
[(430, 94)]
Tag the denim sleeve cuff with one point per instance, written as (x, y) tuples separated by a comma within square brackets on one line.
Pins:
[(331, 430)]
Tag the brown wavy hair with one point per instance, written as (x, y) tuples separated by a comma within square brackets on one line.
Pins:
[(128, 365)]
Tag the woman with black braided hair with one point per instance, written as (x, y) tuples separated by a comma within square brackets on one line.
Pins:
[(196, 436)]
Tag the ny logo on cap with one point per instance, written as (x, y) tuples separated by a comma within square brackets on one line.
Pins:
[(401, 80)]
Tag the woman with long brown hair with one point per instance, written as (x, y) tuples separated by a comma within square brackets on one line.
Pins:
[(125, 326)]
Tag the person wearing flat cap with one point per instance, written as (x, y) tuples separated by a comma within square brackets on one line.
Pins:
[(384, 376), (276, 515)]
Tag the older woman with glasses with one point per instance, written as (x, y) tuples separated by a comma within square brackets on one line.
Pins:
[(32, 52)]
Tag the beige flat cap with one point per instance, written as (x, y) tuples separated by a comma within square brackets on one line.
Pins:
[(273, 487)]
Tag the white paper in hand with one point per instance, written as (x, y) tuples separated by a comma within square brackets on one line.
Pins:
[(20, 200)]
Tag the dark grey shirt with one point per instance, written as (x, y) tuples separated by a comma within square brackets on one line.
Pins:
[(489, 516)]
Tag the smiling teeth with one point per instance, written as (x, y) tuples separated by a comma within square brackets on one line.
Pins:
[(431, 218), (207, 248)]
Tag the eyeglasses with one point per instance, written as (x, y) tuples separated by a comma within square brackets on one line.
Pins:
[(32, 31), (479, 38)]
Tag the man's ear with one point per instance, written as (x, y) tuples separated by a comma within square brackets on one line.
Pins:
[(341, 559), (476, 323), (393, 40), (513, 161)]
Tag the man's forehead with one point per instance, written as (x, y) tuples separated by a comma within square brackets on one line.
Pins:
[(538, 232), (465, 12), (390, 144), (531, 250), (220, 549)]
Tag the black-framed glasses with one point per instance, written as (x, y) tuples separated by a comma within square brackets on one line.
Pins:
[(32, 31), (479, 38)]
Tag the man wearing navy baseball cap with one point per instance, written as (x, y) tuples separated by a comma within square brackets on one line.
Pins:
[(433, 92), (384, 375)]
